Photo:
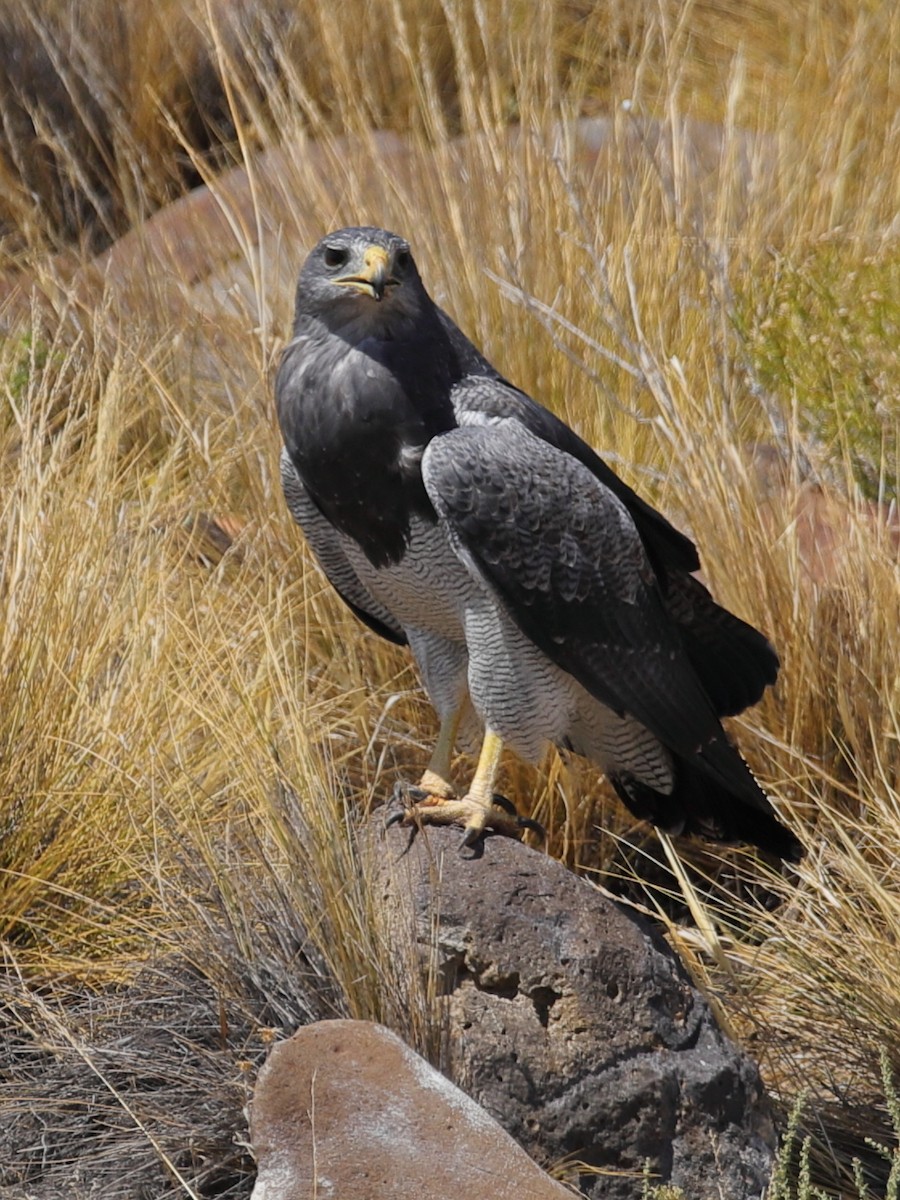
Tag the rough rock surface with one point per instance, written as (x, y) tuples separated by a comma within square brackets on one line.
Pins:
[(344, 1109), (573, 1023)]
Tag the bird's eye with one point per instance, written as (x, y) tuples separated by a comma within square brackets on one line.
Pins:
[(336, 256), (402, 260)]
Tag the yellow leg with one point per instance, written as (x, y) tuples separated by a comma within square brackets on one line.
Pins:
[(481, 790), (436, 778)]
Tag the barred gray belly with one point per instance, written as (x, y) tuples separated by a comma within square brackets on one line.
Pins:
[(428, 589)]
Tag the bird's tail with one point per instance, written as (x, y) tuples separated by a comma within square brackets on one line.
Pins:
[(702, 805)]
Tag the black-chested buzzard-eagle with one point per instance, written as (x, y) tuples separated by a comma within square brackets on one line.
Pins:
[(541, 598)]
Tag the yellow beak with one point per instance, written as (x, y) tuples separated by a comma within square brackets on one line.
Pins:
[(373, 278)]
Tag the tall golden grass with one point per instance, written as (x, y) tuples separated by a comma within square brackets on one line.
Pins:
[(190, 722)]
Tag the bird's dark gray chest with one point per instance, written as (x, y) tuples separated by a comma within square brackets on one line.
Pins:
[(356, 419)]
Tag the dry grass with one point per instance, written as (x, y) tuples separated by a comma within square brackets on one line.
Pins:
[(190, 723)]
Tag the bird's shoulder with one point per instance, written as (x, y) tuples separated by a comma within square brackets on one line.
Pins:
[(534, 517), (483, 396)]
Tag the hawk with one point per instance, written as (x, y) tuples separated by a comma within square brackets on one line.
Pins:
[(542, 599)]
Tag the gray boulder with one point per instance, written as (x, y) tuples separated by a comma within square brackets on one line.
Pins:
[(572, 1022)]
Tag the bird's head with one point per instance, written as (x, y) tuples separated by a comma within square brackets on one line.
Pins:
[(362, 282)]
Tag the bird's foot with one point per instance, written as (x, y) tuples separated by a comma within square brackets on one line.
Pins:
[(434, 785), (417, 806)]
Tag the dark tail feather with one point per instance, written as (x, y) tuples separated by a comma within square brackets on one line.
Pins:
[(702, 806), (734, 662)]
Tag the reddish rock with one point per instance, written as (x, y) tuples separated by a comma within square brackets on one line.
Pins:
[(345, 1110), (202, 234)]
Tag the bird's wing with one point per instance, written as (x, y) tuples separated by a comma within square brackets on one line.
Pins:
[(326, 547), (561, 552), (482, 396), (734, 661)]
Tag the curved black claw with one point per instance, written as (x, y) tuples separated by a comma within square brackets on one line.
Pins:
[(407, 794), (403, 796), (533, 826), (473, 839), (522, 822)]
